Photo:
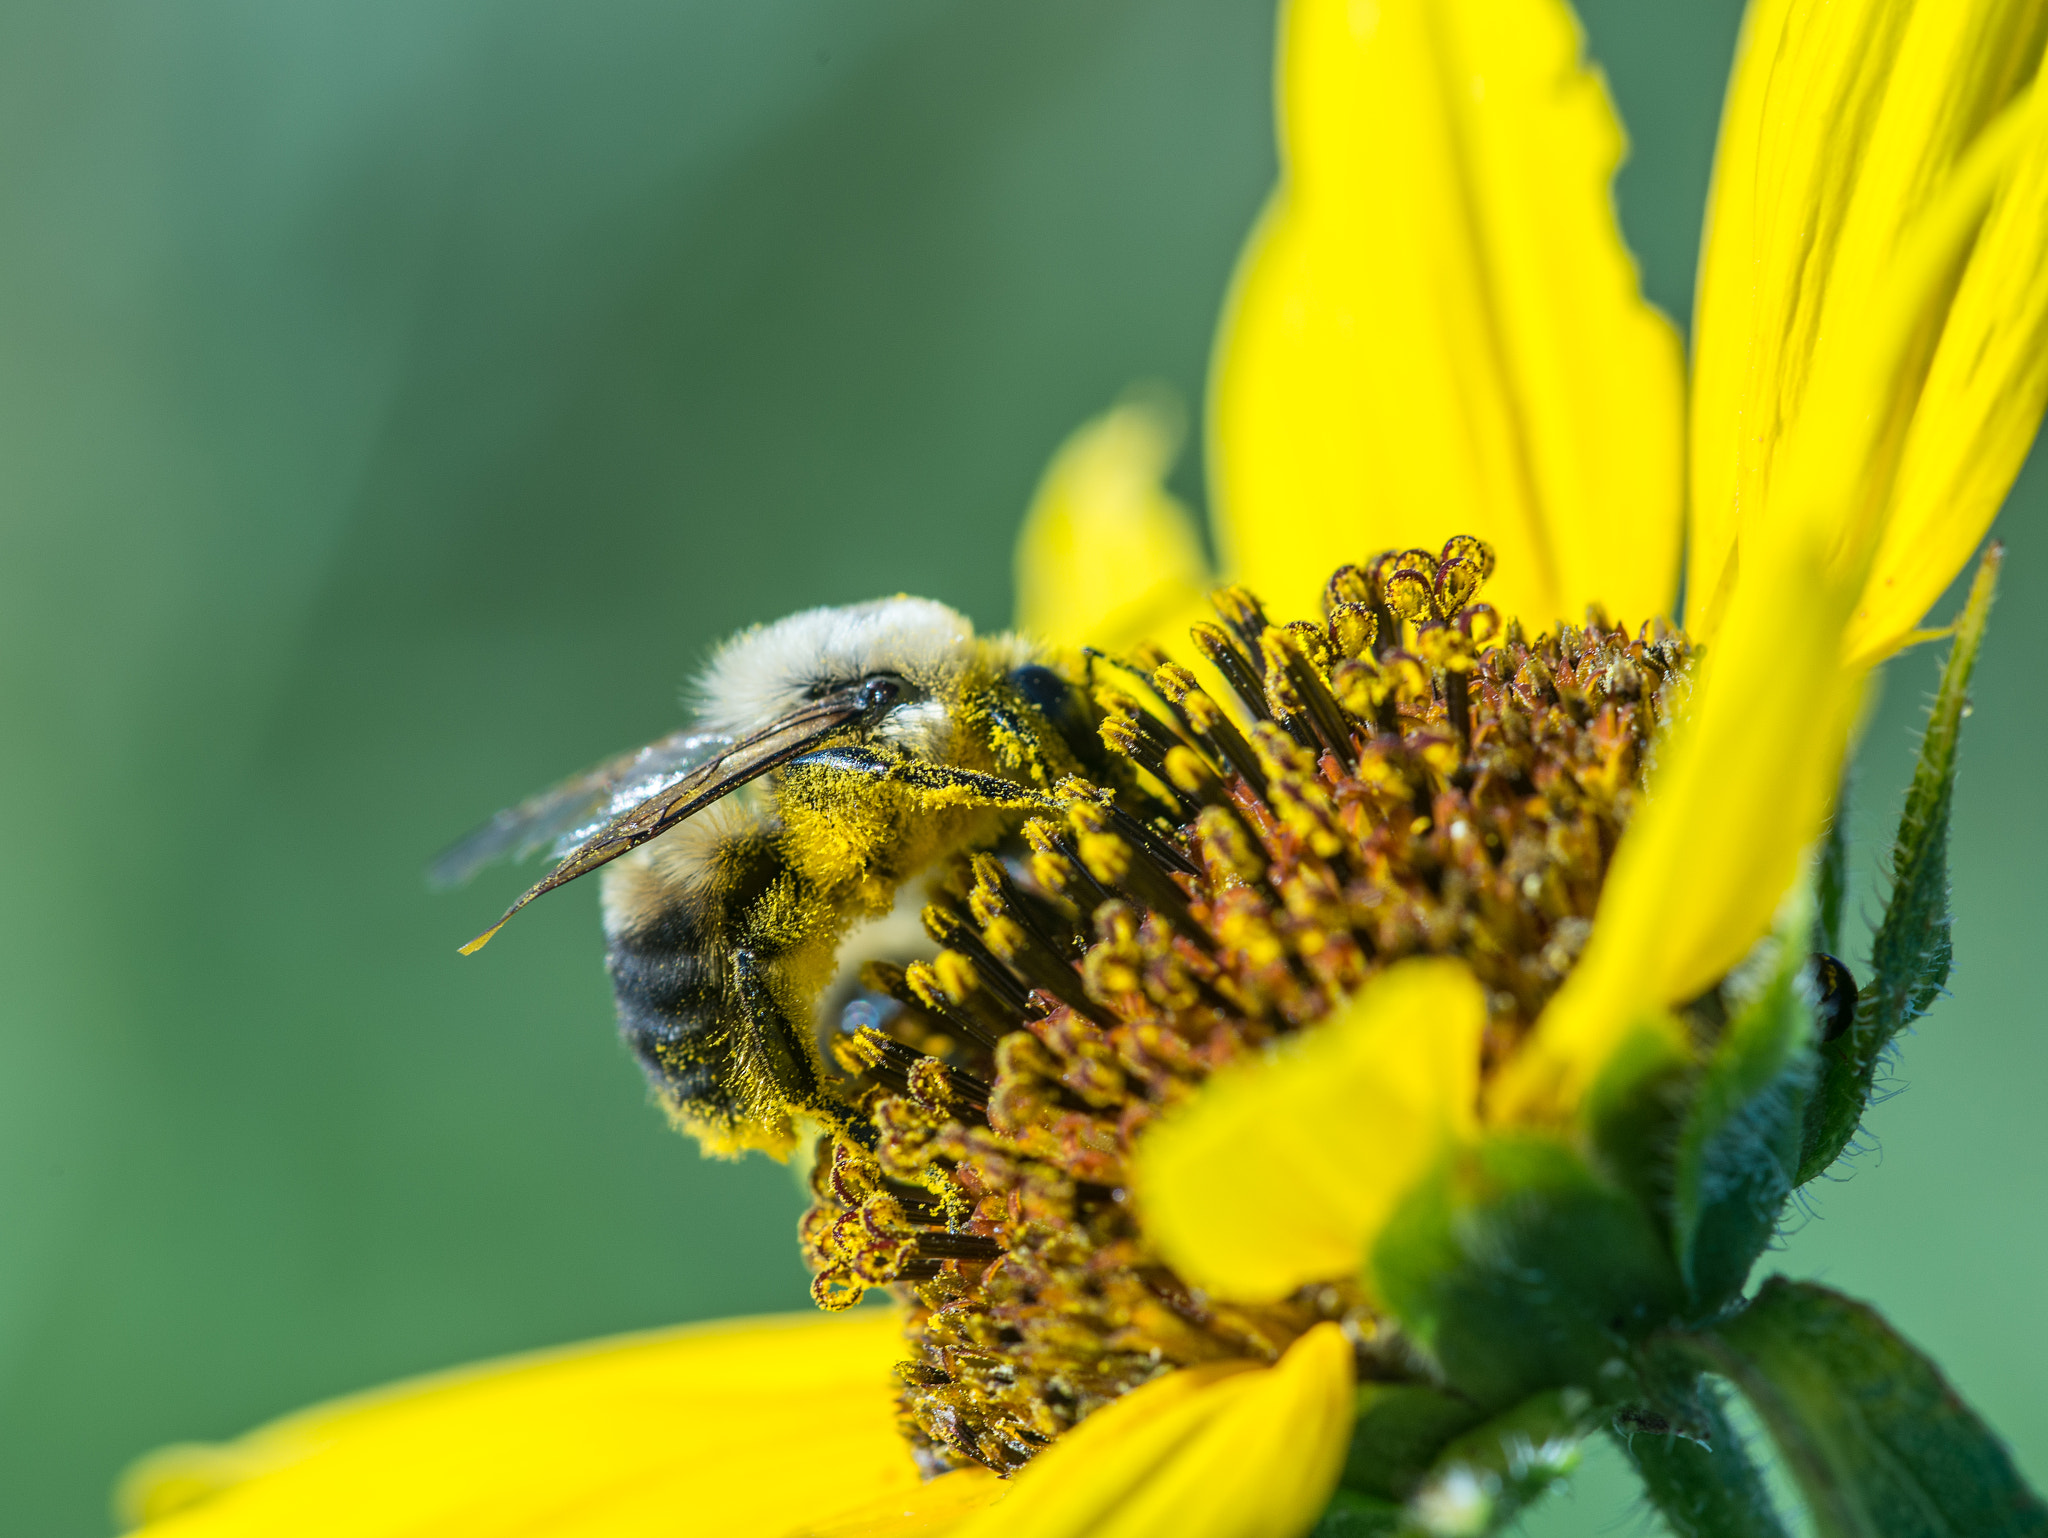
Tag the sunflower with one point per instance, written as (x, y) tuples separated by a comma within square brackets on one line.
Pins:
[(1388, 1067)]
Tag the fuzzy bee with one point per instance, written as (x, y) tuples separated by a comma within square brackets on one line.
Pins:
[(836, 756)]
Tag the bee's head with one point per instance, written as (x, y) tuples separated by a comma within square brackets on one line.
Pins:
[(898, 676), (927, 685)]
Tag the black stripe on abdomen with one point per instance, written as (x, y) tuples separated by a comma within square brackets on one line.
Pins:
[(667, 978)]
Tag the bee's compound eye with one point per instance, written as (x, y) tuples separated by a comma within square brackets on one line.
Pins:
[(1041, 687), (880, 692)]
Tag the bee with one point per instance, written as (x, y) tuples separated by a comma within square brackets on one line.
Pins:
[(836, 756)]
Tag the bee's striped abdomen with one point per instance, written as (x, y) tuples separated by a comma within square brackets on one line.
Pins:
[(670, 993), (691, 963)]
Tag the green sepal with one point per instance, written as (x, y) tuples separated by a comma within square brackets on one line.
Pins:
[(1879, 1444), (1703, 1491), (1477, 1483), (1909, 958), (1351, 1515), (1492, 1474), (1634, 1108), (1738, 1147), (1400, 1430), (1520, 1270)]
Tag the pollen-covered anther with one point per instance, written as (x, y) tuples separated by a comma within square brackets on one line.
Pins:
[(814, 1237), (1297, 665), (1470, 548), (866, 1048), (1057, 869), (940, 1088), (1128, 728), (1444, 646), (1286, 700), (955, 976), (1482, 625), (1193, 775), (1242, 612), (849, 1177), (1227, 851), (835, 1290), (1113, 969), (1406, 678), (1120, 736), (1117, 860), (882, 1219), (1207, 720), (1365, 693), (1106, 856), (948, 988), (1174, 682), (952, 932), (1410, 594), (1457, 584), (908, 1138), (923, 979), (1352, 585), (1170, 981), (1041, 968), (1299, 796), (1418, 585), (1311, 643), (1353, 628), (1224, 654)]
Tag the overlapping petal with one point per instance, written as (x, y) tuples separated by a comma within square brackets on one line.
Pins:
[(756, 1427), (1107, 556), (1283, 1169), (1744, 782), (1977, 413), (1740, 794), (1845, 123), (1233, 1450), (1436, 328)]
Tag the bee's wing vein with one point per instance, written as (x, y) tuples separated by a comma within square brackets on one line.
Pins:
[(563, 817)]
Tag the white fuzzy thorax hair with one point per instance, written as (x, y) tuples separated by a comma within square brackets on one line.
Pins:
[(763, 673)]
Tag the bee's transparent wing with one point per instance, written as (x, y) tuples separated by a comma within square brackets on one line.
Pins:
[(560, 819)]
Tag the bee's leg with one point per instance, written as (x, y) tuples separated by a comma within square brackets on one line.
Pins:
[(782, 1058), (984, 789), (988, 789)]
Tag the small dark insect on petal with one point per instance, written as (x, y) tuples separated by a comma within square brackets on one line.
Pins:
[(1834, 1010)]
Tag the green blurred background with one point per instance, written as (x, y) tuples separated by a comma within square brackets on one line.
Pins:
[(396, 397)]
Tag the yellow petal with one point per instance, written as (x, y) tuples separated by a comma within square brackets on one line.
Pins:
[(937, 1506), (1743, 784), (1436, 328), (1745, 777), (757, 1427), (1976, 417), (1281, 1170), (1107, 555), (1844, 123), (1228, 1451)]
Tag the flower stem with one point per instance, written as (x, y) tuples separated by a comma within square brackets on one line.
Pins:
[(1704, 1492)]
